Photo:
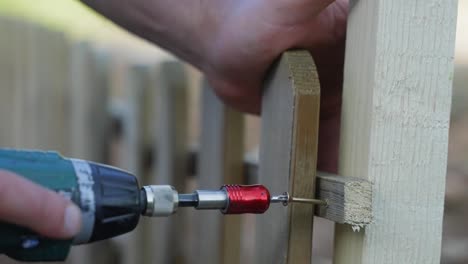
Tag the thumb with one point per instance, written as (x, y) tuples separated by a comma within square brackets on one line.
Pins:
[(27, 204)]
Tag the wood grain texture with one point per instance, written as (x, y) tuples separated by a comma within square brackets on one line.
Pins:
[(288, 156), (142, 80), (87, 102), (220, 162), (40, 74), (133, 244), (395, 119), (349, 199), (86, 126), (8, 115), (171, 139), (21, 37)]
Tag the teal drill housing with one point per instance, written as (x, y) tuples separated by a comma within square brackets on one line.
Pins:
[(110, 200)]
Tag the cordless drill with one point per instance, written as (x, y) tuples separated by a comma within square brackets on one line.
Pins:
[(111, 201)]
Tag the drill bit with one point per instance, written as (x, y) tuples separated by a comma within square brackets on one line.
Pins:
[(285, 198)]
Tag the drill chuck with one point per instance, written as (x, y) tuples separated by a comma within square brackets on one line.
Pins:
[(161, 200)]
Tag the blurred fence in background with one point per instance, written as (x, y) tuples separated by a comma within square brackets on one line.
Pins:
[(70, 97)]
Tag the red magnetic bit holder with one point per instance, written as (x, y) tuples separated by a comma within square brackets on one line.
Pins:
[(247, 199)]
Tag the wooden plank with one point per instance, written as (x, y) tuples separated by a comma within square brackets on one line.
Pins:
[(141, 87), (7, 93), (220, 162), (349, 199), (87, 127), (395, 120), (288, 156), (88, 103), (27, 87), (49, 61), (21, 37), (40, 79), (171, 102), (135, 87)]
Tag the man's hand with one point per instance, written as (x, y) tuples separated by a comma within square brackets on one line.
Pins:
[(234, 42), (26, 204)]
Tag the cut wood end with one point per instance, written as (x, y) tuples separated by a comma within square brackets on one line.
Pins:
[(358, 203), (349, 200), (303, 72)]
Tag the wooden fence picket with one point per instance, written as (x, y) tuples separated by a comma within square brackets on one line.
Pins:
[(8, 117), (170, 159), (134, 90), (288, 158), (87, 127), (220, 162), (394, 127)]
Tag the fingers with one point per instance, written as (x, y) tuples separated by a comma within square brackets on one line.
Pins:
[(24, 203), (243, 97), (304, 6), (328, 28)]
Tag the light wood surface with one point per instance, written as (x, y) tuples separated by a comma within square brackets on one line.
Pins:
[(85, 124), (171, 140), (395, 120), (220, 162), (349, 199), (288, 156), (8, 117), (134, 92)]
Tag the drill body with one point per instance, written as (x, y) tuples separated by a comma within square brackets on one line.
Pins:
[(110, 200)]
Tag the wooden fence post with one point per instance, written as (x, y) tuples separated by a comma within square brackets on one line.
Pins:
[(217, 237), (48, 61), (171, 103), (87, 128), (88, 103), (34, 77), (136, 85), (37, 94), (7, 90), (140, 122), (21, 51), (288, 158), (395, 120)]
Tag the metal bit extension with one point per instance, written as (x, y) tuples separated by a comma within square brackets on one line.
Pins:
[(285, 198), (163, 200)]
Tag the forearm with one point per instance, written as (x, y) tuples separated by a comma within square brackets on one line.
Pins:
[(176, 26), (234, 42)]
